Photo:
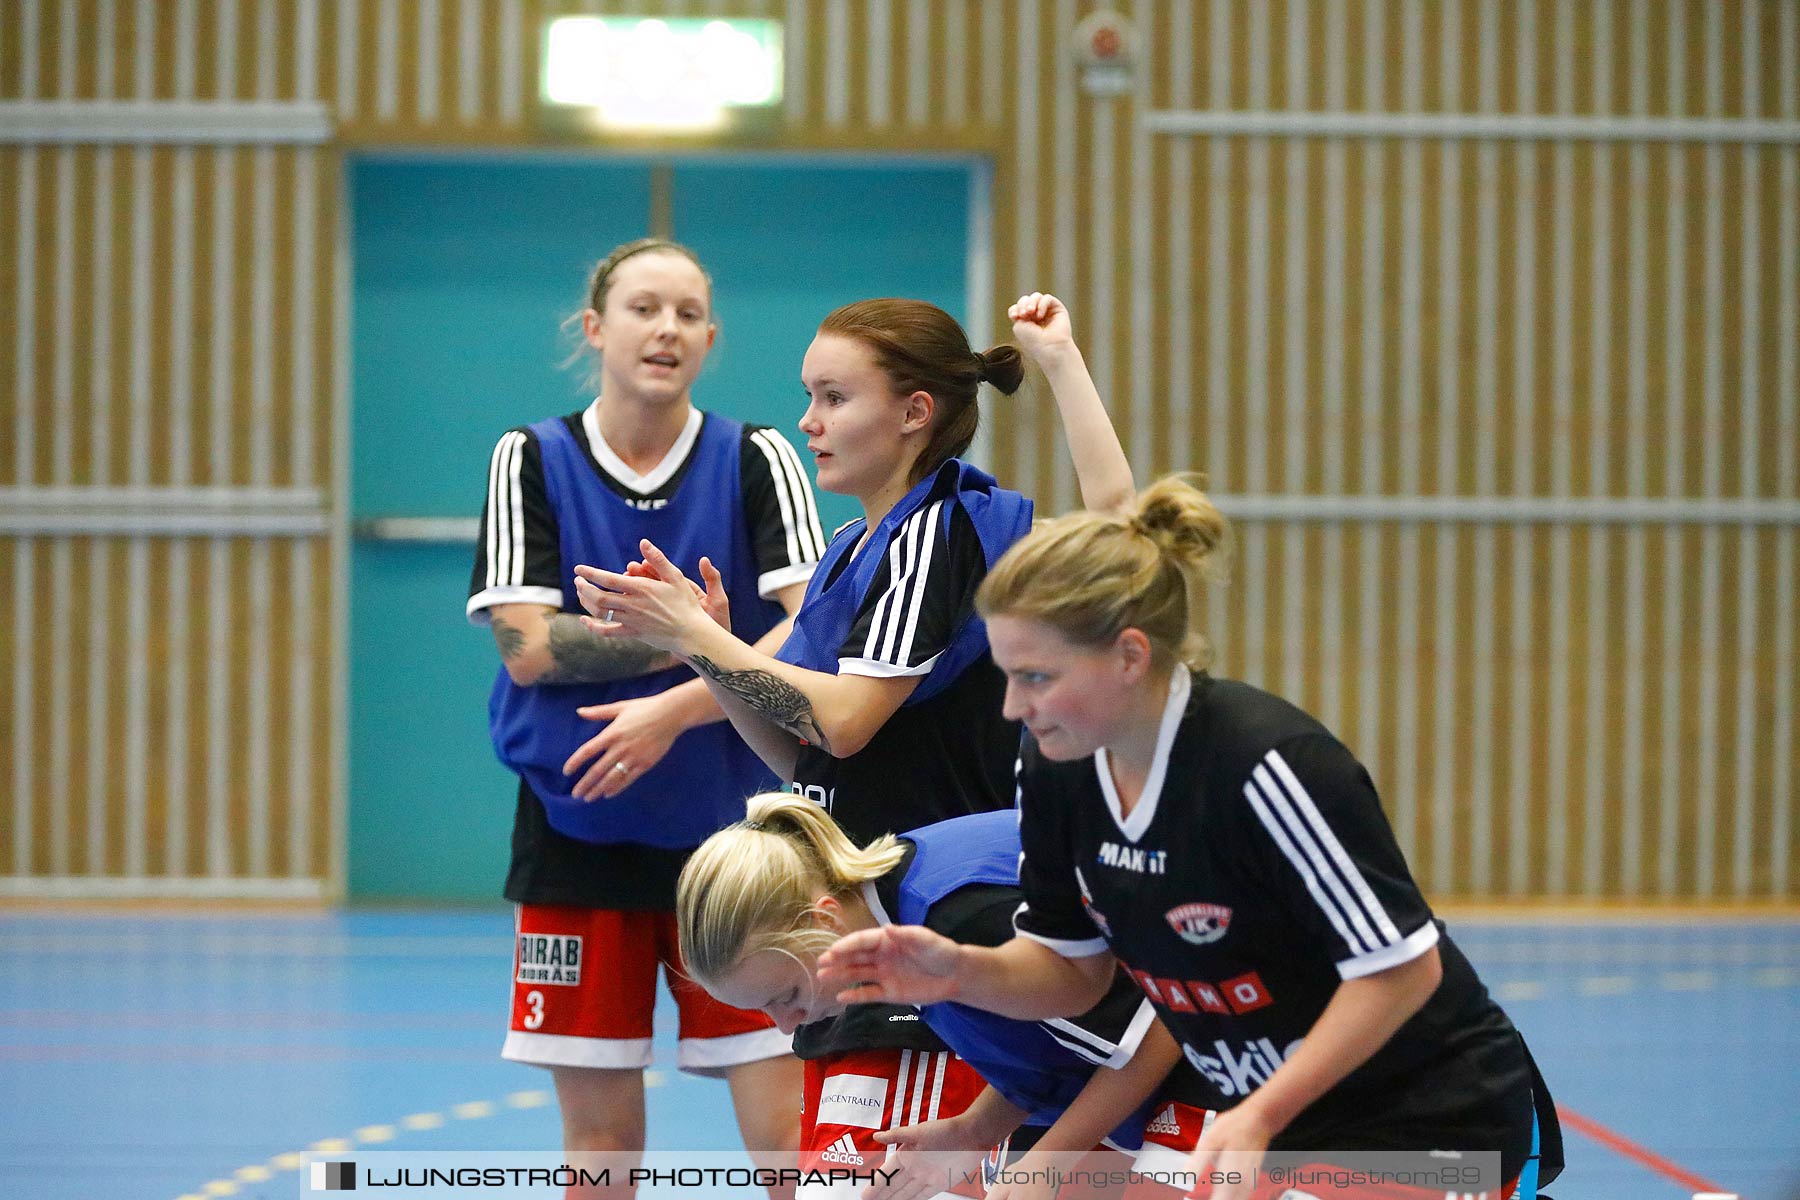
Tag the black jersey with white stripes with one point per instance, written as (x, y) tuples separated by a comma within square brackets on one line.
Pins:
[(943, 757), (1255, 873), (777, 506)]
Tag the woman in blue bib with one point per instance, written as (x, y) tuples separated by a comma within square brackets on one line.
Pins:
[(884, 706), (595, 857), (760, 900)]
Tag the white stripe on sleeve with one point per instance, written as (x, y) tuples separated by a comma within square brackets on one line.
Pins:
[(784, 488), (506, 516), (1295, 824), (909, 560), (799, 515), (516, 499), (1278, 828), (897, 560), (1328, 839), (494, 506), (927, 543), (1085, 1041)]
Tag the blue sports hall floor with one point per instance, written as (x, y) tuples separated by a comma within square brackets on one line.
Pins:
[(161, 1055)]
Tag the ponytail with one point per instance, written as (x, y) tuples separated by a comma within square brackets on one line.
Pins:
[(752, 886)]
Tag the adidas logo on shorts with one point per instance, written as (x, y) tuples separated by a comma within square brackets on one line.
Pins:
[(1164, 1122), (843, 1151)]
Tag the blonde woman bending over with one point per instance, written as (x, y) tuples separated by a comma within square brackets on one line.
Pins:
[(760, 901)]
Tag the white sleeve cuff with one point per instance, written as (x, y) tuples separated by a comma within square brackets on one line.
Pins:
[(770, 582), (1133, 1037), (1103, 1052), (875, 668), (1067, 947), (485, 599), (1418, 942)]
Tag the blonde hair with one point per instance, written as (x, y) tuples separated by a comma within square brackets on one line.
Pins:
[(1093, 575), (600, 279), (751, 886)]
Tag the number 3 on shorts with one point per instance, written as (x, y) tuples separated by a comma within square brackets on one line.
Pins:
[(536, 1001)]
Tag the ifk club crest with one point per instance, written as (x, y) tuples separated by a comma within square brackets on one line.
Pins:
[(1199, 924)]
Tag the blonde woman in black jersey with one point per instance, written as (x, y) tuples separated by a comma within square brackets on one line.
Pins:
[(1233, 856)]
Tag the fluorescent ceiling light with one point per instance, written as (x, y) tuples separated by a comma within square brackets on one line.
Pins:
[(647, 73)]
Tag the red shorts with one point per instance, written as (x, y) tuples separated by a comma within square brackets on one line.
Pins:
[(1170, 1137), (848, 1097), (584, 992)]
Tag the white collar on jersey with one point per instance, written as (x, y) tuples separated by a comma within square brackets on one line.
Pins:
[(1142, 813), (873, 900), (615, 466)]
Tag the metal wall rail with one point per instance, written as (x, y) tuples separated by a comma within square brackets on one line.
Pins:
[(193, 887), (163, 512), (1510, 510), (1302, 509), (461, 530), (1471, 126), (163, 122)]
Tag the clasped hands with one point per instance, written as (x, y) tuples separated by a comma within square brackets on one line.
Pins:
[(651, 600), (637, 732)]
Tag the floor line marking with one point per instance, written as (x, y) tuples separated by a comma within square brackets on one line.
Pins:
[(1642, 1155), (1688, 981), (1519, 989), (292, 1160)]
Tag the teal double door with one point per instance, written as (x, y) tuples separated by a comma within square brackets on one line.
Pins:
[(463, 271)]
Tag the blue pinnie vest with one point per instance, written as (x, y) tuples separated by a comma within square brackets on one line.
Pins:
[(828, 613), (700, 785), (1023, 1060)]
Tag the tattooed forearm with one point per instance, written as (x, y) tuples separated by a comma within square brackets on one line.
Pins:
[(510, 638), (578, 656), (785, 705)]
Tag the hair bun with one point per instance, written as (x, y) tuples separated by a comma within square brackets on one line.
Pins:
[(1003, 366), (1179, 518)]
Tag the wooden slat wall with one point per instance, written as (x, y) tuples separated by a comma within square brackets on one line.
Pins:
[(169, 724), (1586, 709)]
